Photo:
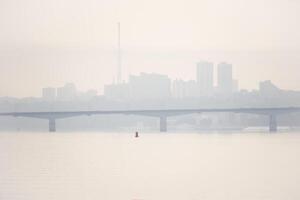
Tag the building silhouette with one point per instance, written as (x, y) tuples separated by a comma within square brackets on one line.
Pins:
[(49, 94), (140, 87), (205, 78), (118, 91), (185, 89), (267, 88), (67, 93), (235, 85), (150, 86), (225, 81)]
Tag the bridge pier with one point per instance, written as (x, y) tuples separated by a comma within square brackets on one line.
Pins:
[(163, 124), (272, 123), (52, 125)]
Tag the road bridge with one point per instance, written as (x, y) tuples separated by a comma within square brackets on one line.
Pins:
[(162, 114)]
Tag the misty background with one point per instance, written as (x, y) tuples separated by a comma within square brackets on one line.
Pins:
[(50, 43), (62, 55)]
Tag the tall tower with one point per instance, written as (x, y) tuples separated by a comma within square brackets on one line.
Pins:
[(119, 75), (205, 71), (225, 78)]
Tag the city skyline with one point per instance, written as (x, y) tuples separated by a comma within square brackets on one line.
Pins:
[(210, 79), (47, 43), (92, 80), (153, 86), (214, 82)]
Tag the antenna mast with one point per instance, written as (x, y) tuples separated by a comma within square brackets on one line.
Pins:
[(119, 75)]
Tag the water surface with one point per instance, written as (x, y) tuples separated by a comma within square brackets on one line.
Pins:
[(79, 166)]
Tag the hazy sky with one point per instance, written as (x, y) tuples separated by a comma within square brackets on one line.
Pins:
[(50, 42)]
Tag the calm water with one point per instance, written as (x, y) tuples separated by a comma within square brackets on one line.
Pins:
[(88, 166)]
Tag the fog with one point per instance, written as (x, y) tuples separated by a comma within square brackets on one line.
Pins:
[(49, 43)]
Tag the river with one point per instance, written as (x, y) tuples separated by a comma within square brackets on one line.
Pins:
[(154, 166)]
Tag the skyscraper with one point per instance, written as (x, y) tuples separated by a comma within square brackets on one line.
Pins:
[(150, 86), (49, 94), (67, 93), (185, 89), (235, 85), (225, 78), (267, 88), (205, 78)]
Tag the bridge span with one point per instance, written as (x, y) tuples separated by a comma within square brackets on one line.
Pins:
[(162, 114)]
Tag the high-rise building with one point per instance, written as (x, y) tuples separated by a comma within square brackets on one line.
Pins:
[(205, 78), (140, 87), (150, 86), (67, 92), (49, 94), (267, 88), (185, 89), (117, 92), (235, 85), (225, 78)]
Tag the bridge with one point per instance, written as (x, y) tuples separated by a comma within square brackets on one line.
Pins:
[(161, 114)]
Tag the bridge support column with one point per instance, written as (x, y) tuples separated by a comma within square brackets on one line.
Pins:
[(52, 126), (163, 123), (272, 123)]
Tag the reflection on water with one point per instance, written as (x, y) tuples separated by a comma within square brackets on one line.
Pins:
[(77, 166)]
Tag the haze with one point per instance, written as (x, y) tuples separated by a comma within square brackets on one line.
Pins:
[(49, 43)]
